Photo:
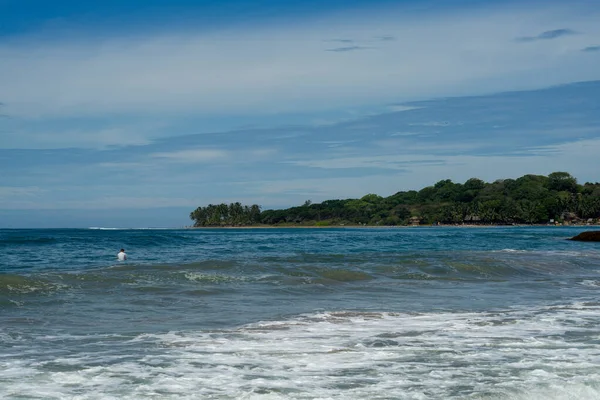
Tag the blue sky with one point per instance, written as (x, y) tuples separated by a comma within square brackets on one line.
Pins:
[(131, 114)]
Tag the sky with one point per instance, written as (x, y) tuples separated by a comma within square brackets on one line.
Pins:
[(134, 113)]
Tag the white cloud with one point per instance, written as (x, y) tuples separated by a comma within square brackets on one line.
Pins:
[(403, 172), (194, 155), (574, 157), (407, 134), (53, 138), (397, 162), (401, 108), (286, 68), (7, 192), (431, 123), (421, 169), (258, 153), (121, 165), (100, 203), (213, 155), (294, 191)]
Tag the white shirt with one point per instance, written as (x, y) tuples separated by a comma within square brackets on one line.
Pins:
[(122, 256)]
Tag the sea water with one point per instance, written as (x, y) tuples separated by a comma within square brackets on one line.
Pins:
[(396, 313)]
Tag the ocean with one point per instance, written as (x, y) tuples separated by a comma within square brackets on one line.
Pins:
[(345, 313)]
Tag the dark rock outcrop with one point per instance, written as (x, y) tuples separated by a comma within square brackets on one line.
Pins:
[(589, 236)]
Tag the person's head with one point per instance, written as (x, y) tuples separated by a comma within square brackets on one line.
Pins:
[(122, 250)]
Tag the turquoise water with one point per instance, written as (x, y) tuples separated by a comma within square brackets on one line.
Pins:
[(397, 313)]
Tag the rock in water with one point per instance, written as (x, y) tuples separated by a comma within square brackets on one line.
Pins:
[(589, 236)]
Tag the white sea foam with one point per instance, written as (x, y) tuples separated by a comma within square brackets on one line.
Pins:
[(590, 282), (550, 352), (512, 251), (565, 253), (211, 278)]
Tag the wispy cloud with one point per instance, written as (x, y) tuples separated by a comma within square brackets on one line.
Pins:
[(48, 136), (232, 156), (285, 190), (14, 191), (193, 156), (430, 123), (122, 165), (547, 35), (348, 48), (406, 134), (132, 120), (254, 154), (341, 40), (100, 203), (390, 162), (275, 69), (401, 108), (497, 136)]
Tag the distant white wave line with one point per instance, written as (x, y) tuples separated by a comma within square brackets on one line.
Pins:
[(513, 251), (586, 253), (547, 352)]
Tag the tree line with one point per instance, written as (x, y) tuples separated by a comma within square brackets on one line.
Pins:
[(234, 214), (530, 199)]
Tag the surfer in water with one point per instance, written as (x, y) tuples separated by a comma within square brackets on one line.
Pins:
[(122, 256)]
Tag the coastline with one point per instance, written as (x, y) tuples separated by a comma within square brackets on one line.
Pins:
[(347, 226)]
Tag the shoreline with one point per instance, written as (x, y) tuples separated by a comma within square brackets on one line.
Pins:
[(388, 226)]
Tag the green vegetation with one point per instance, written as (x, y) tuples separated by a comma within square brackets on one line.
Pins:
[(530, 199), (234, 214)]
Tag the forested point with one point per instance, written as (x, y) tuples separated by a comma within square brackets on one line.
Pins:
[(530, 199)]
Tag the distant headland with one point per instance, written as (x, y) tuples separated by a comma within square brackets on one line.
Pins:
[(556, 199)]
